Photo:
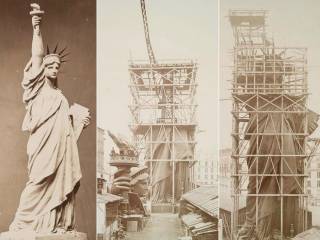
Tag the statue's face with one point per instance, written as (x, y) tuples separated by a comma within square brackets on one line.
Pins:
[(141, 187), (51, 71)]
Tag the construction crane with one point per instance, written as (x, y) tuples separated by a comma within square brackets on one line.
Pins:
[(146, 33)]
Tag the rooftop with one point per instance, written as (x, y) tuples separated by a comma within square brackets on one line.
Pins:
[(204, 198)]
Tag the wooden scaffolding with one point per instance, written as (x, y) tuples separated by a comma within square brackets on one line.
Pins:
[(269, 89), (163, 107)]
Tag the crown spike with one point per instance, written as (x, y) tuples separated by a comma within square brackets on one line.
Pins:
[(64, 55), (55, 49), (62, 50), (48, 50)]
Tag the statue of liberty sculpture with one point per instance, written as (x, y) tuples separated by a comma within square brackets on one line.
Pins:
[(47, 202)]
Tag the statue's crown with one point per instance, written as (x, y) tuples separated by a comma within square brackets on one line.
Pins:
[(55, 56)]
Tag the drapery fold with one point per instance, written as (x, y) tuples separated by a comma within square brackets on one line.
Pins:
[(47, 201), (276, 135), (162, 173)]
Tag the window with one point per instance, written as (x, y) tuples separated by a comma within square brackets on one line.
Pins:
[(318, 184)]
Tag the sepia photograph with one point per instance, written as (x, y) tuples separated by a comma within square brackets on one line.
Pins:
[(157, 99), (48, 108), (269, 108), (160, 120)]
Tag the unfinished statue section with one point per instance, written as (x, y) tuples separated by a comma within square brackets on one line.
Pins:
[(163, 123), (270, 125)]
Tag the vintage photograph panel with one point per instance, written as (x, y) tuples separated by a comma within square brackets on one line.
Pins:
[(48, 127), (269, 110), (157, 136)]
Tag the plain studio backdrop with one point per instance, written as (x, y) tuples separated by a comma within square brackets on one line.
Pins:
[(70, 23)]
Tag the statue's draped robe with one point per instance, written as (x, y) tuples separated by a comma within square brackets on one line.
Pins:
[(161, 177), (279, 138), (47, 202)]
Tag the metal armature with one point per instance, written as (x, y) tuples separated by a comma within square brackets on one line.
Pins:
[(152, 58), (270, 125), (163, 111)]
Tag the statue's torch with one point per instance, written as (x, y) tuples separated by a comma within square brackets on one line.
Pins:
[(36, 11)]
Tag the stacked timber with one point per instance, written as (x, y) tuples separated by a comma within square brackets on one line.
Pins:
[(198, 212)]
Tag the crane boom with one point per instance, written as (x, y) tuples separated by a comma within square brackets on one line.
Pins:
[(146, 32)]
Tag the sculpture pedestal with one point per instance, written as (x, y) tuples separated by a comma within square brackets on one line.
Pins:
[(24, 235), (66, 236)]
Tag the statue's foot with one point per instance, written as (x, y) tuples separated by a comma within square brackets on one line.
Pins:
[(72, 231), (59, 231), (247, 232)]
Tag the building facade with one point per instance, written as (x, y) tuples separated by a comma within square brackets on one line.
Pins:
[(205, 171), (313, 181)]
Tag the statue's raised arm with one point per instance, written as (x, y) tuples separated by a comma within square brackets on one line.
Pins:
[(37, 49)]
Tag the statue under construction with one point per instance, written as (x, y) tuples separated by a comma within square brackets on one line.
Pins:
[(271, 122), (164, 124)]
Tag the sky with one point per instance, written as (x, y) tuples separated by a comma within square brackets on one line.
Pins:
[(179, 30), (294, 23)]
